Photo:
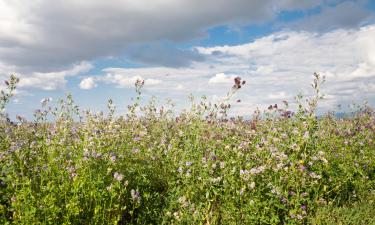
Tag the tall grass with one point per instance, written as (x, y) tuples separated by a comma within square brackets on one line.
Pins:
[(199, 167)]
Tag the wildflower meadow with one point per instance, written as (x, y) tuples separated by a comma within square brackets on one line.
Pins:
[(153, 165)]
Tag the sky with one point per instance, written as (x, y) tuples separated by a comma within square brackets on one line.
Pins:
[(96, 50)]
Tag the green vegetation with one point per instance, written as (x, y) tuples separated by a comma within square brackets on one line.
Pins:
[(199, 167)]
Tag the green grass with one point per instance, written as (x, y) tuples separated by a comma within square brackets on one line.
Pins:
[(358, 213)]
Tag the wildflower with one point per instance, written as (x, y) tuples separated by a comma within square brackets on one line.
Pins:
[(213, 157), (180, 170), (44, 101), (244, 175), (182, 200), (237, 83), (188, 163), (306, 135), (118, 176), (257, 170), (314, 175), (275, 191), (252, 185), (176, 215), (216, 180), (135, 195), (136, 138)]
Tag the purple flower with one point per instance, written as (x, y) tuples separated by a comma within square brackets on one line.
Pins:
[(136, 138), (302, 167)]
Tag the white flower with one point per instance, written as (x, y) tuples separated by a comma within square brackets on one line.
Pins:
[(118, 176)]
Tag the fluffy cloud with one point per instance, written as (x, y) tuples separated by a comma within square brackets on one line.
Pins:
[(276, 67), (221, 78), (40, 36), (52, 80), (87, 83), (124, 81)]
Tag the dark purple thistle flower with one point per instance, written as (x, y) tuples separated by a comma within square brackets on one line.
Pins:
[(287, 114), (237, 83)]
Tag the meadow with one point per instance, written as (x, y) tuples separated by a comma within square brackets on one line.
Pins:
[(199, 166)]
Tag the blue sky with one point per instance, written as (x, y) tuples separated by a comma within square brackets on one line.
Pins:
[(97, 49)]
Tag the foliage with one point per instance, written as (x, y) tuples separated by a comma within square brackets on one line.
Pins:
[(200, 167)]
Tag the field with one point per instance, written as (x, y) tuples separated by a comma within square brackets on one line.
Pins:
[(153, 166)]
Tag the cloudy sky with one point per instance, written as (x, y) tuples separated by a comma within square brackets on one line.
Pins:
[(97, 49)]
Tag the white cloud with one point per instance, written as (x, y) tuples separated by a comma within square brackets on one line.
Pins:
[(87, 83), (52, 80), (276, 67), (221, 78), (124, 81), (40, 36)]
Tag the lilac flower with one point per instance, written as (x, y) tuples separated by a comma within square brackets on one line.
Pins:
[(135, 195), (118, 176), (257, 170), (137, 138), (113, 157), (302, 167), (306, 135)]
